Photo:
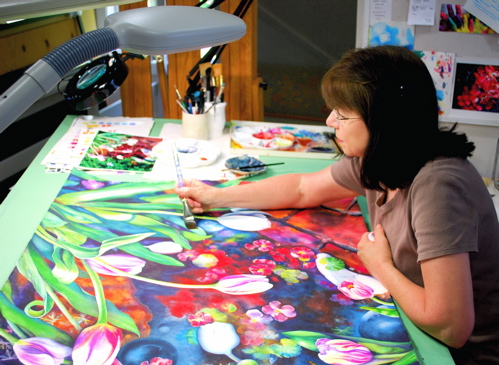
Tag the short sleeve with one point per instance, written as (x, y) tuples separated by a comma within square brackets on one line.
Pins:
[(346, 172), (444, 218)]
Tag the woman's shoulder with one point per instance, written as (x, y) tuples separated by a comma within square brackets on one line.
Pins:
[(448, 167), (450, 177)]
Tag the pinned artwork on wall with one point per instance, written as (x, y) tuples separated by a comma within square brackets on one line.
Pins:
[(441, 67), (453, 18), (394, 33), (475, 97)]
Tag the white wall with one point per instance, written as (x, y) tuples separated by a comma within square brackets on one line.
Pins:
[(428, 38)]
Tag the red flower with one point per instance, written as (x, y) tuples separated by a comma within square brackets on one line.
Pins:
[(262, 267), (199, 319)]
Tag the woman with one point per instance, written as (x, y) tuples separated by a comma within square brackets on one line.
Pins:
[(436, 236)]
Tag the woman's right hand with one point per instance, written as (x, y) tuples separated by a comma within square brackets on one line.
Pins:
[(200, 196)]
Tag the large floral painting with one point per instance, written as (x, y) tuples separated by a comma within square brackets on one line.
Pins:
[(112, 276)]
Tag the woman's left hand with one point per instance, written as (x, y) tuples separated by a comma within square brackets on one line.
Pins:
[(375, 255)]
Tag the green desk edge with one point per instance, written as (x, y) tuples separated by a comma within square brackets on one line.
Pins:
[(24, 207)]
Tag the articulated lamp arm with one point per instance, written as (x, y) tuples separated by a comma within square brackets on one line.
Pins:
[(149, 31)]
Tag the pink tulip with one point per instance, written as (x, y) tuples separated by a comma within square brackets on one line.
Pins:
[(356, 290), (41, 351), (243, 284), (342, 352), (97, 345), (127, 263)]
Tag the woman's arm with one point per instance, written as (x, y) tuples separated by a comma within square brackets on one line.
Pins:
[(279, 192), (444, 307)]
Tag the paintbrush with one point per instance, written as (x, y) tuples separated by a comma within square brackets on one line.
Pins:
[(251, 167), (188, 216)]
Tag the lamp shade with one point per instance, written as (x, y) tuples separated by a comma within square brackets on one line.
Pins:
[(173, 29)]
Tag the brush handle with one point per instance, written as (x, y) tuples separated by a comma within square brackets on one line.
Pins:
[(251, 167), (176, 160)]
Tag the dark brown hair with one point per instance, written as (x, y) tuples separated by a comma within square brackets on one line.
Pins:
[(392, 90)]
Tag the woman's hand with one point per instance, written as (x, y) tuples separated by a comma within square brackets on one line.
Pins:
[(375, 255), (200, 196)]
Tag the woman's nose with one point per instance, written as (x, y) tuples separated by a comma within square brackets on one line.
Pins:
[(331, 120)]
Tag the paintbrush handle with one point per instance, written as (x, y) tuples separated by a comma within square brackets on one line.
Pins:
[(180, 178), (251, 167)]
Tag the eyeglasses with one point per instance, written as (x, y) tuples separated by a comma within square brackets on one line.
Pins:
[(339, 118)]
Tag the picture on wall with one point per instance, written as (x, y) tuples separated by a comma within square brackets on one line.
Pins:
[(441, 67), (475, 94), (453, 18), (394, 33), (476, 87)]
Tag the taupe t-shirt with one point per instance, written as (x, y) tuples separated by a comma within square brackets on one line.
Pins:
[(446, 210)]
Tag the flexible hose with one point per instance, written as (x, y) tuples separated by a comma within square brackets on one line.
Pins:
[(81, 49)]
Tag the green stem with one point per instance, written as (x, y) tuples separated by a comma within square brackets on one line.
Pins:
[(62, 307), (99, 293), (8, 336), (391, 356), (382, 301)]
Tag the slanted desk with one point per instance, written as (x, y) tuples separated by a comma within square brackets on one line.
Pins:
[(25, 206)]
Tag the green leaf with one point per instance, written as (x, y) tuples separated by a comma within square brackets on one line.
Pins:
[(91, 232), (149, 223), (286, 349), (52, 220), (408, 359), (66, 234), (155, 208), (197, 234), (29, 269), (118, 241), (124, 190), (73, 215), (80, 252), (110, 214), (35, 326), (305, 339), (389, 312), (332, 263), (81, 300), (381, 349), (65, 269)]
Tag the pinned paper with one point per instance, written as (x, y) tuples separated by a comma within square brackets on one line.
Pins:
[(421, 12)]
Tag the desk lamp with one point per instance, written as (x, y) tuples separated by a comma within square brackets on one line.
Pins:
[(154, 30)]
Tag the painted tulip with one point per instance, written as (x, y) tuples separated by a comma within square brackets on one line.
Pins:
[(243, 284), (245, 220), (218, 338), (342, 352), (97, 345), (356, 290), (335, 273), (127, 263), (41, 351), (165, 247)]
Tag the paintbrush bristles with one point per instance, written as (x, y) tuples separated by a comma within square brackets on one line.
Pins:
[(189, 220)]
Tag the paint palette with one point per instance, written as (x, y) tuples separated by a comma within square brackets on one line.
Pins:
[(235, 163), (275, 139), (192, 153)]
